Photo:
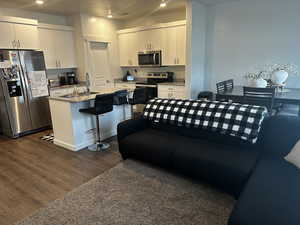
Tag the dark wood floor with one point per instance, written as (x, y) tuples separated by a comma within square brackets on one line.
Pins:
[(34, 173)]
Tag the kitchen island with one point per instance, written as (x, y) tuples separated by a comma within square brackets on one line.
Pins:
[(74, 130)]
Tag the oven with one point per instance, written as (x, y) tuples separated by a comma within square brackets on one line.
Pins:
[(149, 58), (151, 90)]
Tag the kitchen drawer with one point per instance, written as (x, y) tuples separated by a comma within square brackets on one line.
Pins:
[(171, 88), (171, 91), (125, 86)]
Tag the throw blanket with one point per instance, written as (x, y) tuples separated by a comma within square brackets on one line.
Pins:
[(242, 121)]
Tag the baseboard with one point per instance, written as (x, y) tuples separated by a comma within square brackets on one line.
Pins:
[(89, 142), (65, 145)]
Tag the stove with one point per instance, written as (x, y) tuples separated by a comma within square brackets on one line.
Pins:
[(152, 79)]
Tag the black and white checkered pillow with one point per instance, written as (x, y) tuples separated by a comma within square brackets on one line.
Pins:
[(242, 121)]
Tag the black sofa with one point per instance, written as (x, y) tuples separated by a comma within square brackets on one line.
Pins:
[(267, 188)]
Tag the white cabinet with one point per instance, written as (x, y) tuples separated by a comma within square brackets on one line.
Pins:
[(58, 47), (171, 91), (65, 49), (129, 48), (26, 36), (6, 41), (174, 46), (169, 38), (18, 36), (150, 40)]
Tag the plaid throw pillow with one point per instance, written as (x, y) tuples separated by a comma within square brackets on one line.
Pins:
[(242, 121)]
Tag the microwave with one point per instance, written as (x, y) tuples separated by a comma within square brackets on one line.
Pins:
[(149, 58)]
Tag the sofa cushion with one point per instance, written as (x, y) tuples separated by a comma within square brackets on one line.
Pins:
[(151, 146), (227, 167), (271, 196)]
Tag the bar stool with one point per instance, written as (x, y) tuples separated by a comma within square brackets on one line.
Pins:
[(121, 98), (139, 97), (103, 104)]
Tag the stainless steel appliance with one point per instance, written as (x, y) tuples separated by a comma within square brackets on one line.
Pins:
[(24, 106), (150, 59), (71, 78), (152, 79)]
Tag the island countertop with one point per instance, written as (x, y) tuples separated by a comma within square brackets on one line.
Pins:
[(85, 97)]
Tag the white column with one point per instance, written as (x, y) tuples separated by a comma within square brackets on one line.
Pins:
[(196, 35)]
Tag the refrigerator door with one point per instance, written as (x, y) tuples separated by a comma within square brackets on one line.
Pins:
[(34, 70), (14, 106)]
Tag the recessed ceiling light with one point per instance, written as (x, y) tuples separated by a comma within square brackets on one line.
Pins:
[(39, 2), (163, 4)]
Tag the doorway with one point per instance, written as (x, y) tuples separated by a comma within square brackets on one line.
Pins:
[(100, 66)]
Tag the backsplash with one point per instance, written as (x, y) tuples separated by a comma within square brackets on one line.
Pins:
[(54, 73), (179, 71)]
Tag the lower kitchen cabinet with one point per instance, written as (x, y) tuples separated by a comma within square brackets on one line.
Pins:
[(171, 91)]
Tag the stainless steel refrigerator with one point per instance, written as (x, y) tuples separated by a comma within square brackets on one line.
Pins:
[(24, 105)]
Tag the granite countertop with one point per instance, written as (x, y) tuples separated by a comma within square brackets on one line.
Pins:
[(126, 82), (81, 84), (175, 83), (85, 97)]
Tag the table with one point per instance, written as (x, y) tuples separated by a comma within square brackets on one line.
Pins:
[(288, 96)]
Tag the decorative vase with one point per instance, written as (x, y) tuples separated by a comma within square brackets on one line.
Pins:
[(260, 83), (279, 77)]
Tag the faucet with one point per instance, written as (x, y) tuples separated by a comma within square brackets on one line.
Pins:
[(87, 83)]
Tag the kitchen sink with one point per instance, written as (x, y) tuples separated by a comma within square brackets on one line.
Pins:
[(78, 95)]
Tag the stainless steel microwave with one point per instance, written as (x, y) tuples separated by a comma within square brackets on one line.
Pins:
[(149, 58)]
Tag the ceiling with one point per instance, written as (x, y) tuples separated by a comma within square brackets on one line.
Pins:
[(121, 9)]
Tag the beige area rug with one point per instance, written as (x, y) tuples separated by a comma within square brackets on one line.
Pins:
[(136, 193)]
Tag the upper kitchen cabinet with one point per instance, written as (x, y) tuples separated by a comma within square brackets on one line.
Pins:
[(57, 43), (150, 40), (129, 48), (7, 40), (170, 38), (18, 33), (174, 42), (27, 36)]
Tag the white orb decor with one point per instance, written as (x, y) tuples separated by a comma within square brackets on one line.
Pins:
[(260, 83), (279, 77)]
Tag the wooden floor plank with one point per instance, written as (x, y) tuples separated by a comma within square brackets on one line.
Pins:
[(34, 172)]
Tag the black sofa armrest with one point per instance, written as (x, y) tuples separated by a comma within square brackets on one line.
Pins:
[(279, 135), (271, 196), (129, 127)]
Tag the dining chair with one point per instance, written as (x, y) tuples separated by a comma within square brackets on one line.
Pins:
[(229, 84), (221, 87), (260, 96)]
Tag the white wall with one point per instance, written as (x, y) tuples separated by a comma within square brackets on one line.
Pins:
[(244, 34), (41, 17), (196, 49)]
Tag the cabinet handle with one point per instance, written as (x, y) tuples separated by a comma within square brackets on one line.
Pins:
[(13, 43), (59, 64), (177, 60), (19, 43)]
